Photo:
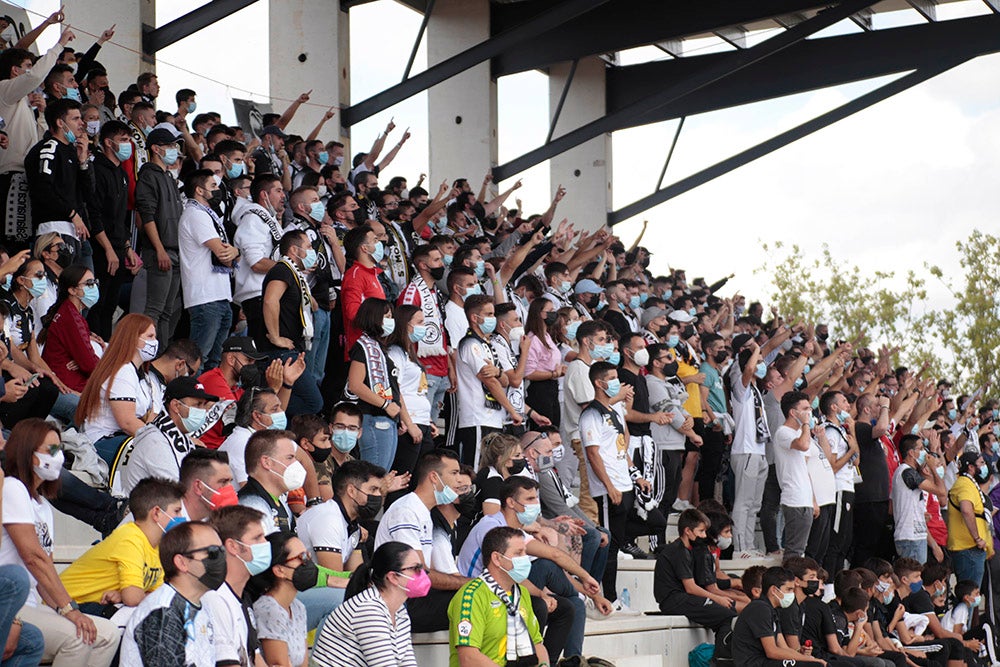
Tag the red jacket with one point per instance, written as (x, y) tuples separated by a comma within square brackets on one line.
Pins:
[(68, 339), (359, 283)]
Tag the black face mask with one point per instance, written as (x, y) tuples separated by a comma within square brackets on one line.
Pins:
[(551, 317), (339, 188), (437, 273), (720, 358), (664, 330), (319, 454), (467, 504), (517, 466), (670, 370), (371, 507), (215, 570), (216, 198), (305, 576), (823, 337), (812, 587), (65, 257)]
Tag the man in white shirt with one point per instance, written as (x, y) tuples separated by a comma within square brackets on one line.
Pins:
[(207, 261), (750, 436), (258, 233), (792, 443), (910, 485), (408, 520), (257, 410), (462, 284), (839, 428)]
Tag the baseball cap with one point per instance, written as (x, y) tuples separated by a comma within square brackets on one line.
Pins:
[(587, 286), (161, 137), (242, 344), (740, 340), (186, 387), (275, 130), (169, 128), (650, 314), (681, 316)]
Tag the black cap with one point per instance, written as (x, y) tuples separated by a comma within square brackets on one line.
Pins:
[(740, 340), (186, 387), (161, 137), (275, 130), (242, 344), (967, 459)]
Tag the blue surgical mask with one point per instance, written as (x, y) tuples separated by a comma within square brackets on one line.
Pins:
[(798, 382), (761, 370), (602, 351), (73, 94), (235, 170), (71, 136), (805, 371), (916, 586), (379, 252), (571, 329), (530, 514), (915, 430), (815, 403), (445, 496), (260, 557), (309, 260), (278, 421), (565, 286), (921, 457), (173, 523), (615, 358), (843, 416), (323, 157), (344, 440), (952, 414), (317, 211), (38, 286), (419, 333), (634, 301), (93, 127), (91, 295), (614, 386), (480, 268), (192, 106), (388, 326), (520, 569), (195, 419), (8, 281), (940, 471), (489, 325), (123, 151), (693, 312), (984, 471), (171, 156), (448, 259), (643, 298), (470, 291), (673, 340)]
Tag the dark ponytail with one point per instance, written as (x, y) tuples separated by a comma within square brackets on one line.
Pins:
[(68, 279), (387, 558)]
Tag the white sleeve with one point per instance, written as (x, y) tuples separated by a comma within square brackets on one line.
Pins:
[(226, 650), (200, 228), (125, 385), (471, 353), (579, 387), (254, 245), (237, 461), (16, 503), (405, 528), (259, 505), (327, 534), (590, 423)]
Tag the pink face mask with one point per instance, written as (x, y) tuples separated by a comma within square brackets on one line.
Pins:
[(418, 586)]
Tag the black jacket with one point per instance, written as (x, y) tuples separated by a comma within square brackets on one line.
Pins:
[(56, 184), (107, 202)]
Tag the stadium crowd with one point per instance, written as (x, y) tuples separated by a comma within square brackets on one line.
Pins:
[(313, 410)]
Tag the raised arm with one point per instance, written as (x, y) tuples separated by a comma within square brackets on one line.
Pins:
[(286, 117)]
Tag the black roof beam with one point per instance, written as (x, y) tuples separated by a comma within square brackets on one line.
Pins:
[(550, 19), (159, 38), (808, 65), (672, 92)]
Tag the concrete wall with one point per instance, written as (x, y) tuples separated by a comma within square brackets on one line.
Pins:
[(123, 66)]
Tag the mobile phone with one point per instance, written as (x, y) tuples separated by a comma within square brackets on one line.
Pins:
[(31, 380)]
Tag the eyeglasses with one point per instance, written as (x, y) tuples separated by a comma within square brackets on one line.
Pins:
[(345, 427), (302, 557), (54, 449), (212, 552), (416, 569)]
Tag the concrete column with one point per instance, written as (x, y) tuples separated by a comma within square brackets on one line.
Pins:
[(308, 50), (462, 111), (585, 171), (123, 64)]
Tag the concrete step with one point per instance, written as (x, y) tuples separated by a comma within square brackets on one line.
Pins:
[(647, 641)]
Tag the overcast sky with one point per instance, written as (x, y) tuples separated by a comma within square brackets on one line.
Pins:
[(890, 188)]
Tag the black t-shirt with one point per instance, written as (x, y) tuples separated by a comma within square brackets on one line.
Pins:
[(704, 566), (489, 486), (841, 623), (791, 620), (758, 620), (358, 354), (674, 564), (919, 603), (640, 403), (874, 469), (289, 309), (817, 625)]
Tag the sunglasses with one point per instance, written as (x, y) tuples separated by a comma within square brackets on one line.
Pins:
[(212, 552)]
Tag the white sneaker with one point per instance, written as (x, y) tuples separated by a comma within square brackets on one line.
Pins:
[(592, 612), (619, 608), (749, 553), (624, 556), (681, 505)]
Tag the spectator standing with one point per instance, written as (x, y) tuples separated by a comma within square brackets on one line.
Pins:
[(792, 444), (844, 446), (910, 486), (968, 522), (750, 435)]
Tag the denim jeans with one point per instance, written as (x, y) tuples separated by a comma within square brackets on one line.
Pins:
[(594, 557), (545, 573), (108, 446), (915, 549), (14, 586), (437, 387), (969, 564), (316, 356), (64, 408), (92, 506), (210, 324), (319, 602), (378, 440), (305, 398)]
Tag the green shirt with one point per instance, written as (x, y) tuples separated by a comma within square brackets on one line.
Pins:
[(716, 390), (478, 618)]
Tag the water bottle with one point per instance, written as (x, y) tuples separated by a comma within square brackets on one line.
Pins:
[(626, 598)]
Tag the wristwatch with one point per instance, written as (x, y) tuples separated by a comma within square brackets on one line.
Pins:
[(67, 608)]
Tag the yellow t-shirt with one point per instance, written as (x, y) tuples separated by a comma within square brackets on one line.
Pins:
[(693, 402), (125, 558), (958, 534)]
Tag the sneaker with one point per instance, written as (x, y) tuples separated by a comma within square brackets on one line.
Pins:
[(749, 553), (619, 608), (681, 505), (622, 555), (635, 551), (592, 612)]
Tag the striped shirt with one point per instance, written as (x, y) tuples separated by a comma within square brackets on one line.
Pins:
[(408, 521), (360, 633)]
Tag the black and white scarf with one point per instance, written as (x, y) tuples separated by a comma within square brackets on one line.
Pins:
[(491, 402), (562, 299), (180, 443), (268, 219), (377, 363), (520, 649), (220, 229), (396, 253), (306, 312), (433, 343), (760, 418)]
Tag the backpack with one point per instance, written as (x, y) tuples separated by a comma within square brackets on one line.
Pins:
[(724, 645), (701, 655)]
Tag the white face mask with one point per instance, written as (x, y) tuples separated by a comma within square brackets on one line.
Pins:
[(516, 334), (641, 357), (49, 465), (9, 34), (294, 476), (724, 543)]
